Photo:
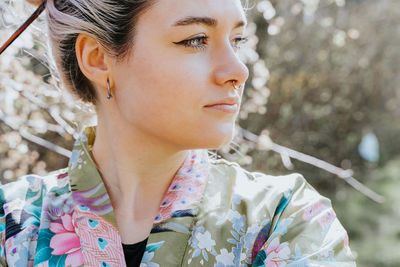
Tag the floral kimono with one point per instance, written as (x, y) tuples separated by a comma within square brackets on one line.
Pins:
[(214, 213)]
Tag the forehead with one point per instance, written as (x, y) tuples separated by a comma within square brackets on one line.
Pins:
[(166, 12)]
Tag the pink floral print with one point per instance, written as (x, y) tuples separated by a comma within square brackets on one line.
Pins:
[(277, 253), (312, 211), (66, 241)]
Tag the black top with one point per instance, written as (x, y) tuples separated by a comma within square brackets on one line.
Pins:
[(134, 253)]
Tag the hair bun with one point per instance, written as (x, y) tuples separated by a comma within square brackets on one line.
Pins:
[(35, 2)]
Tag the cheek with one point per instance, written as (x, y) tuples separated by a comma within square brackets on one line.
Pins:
[(156, 95), (158, 83)]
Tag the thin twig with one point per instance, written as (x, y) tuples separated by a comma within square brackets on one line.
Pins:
[(42, 142), (347, 175)]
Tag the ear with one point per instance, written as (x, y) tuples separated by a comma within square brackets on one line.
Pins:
[(93, 60)]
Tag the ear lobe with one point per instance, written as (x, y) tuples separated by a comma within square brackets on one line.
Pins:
[(92, 60)]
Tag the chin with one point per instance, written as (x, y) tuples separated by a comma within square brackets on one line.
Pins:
[(207, 136), (216, 140)]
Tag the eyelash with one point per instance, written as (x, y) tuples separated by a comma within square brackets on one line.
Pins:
[(187, 43)]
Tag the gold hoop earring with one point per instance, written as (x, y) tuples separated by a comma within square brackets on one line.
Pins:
[(109, 95), (235, 86)]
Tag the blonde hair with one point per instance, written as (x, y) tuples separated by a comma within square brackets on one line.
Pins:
[(111, 22)]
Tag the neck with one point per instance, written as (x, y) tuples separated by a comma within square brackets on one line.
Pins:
[(136, 168)]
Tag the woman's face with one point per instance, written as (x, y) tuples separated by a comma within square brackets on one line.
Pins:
[(183, 61)]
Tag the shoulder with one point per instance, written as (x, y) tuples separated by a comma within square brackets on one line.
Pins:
[(256, 194), (21, 205), (245, 182), (285, 214), (31, 186)]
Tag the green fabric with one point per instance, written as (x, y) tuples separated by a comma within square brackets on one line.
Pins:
[(215, 213)]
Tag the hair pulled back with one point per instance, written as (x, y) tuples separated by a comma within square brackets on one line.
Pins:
[(111, 22)]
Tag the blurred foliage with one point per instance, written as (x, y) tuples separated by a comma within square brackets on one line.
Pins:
[(374, 228), (324, 81)]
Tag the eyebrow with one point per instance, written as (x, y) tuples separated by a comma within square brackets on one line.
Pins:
[(211, 22)]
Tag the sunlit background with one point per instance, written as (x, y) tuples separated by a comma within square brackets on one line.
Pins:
[(323, 99)]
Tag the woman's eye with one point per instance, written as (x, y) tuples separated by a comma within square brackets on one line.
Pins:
[(196, 42), (238, 42), (201, 42)]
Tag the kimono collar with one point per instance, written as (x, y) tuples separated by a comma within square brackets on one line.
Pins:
[(88, 190)]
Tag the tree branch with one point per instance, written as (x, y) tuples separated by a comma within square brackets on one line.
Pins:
[(265, 143)]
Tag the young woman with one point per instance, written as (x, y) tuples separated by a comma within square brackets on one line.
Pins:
[(166, 82)]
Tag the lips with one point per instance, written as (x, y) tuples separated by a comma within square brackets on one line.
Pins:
[(226, 105), (226, 101)]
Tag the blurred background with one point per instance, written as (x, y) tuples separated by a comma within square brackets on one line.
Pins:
[(323, 99)]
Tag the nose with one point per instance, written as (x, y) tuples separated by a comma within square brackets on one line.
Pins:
[(229, 68)]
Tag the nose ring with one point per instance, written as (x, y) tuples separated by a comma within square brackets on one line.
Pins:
[(235, 86)]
